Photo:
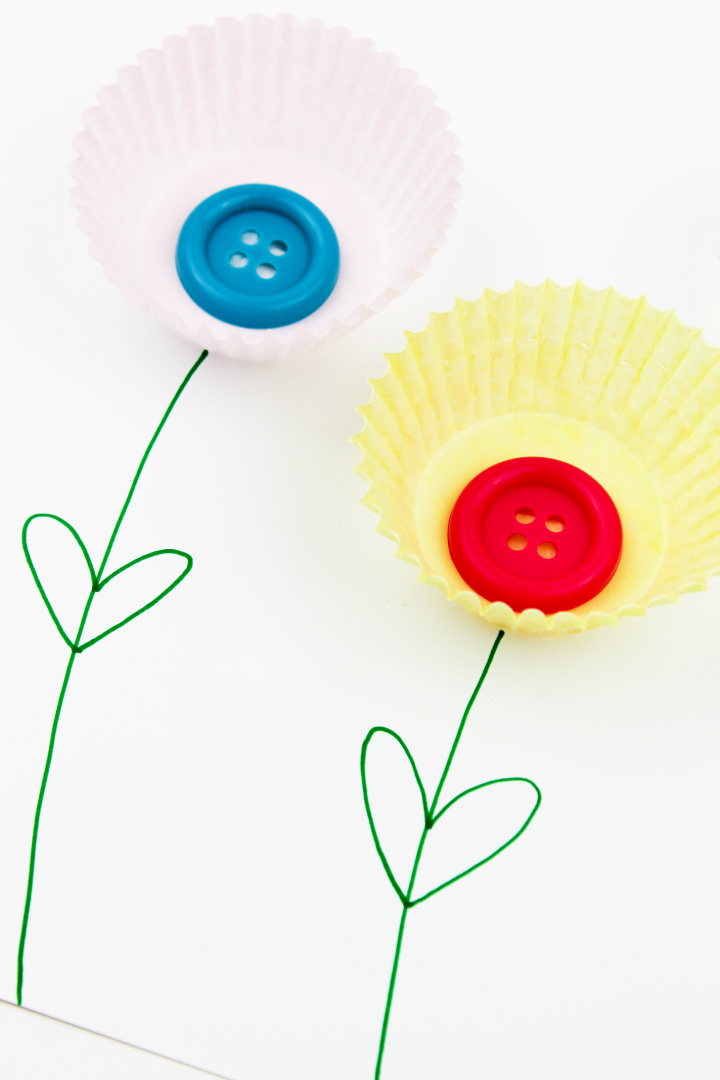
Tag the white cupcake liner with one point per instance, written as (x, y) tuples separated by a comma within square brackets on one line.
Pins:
[(273, 101)]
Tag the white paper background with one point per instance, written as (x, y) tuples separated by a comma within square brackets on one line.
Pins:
[(206, 883)]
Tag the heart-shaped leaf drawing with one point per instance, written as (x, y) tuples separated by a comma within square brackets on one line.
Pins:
[(502, 847), (88, 561), (96, 585), (363, 771), (151, 603)]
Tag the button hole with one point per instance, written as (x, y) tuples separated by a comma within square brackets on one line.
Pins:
[(250, 237), (525, 515), (238, 259), (516, 542), (278, 247), (265, 270), (555, 523), (547, 550)]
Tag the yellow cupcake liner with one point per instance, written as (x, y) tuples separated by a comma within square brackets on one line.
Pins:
[(623, 391)]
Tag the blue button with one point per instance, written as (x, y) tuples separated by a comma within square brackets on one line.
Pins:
[(258, 256)]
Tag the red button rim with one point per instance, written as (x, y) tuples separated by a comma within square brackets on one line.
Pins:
[(562, 593)]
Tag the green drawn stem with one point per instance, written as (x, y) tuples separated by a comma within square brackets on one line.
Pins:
[(76, 647), (458, 736), (429, 822), (36, 826), (144, 458)]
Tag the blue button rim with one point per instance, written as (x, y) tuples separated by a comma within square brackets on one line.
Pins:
[(253, 311)]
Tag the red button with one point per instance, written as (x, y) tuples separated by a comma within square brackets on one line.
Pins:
[(536, 533)]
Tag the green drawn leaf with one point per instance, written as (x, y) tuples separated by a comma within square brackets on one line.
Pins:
[(151, 603), (502, 847), (363, 759), (76, 536)]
